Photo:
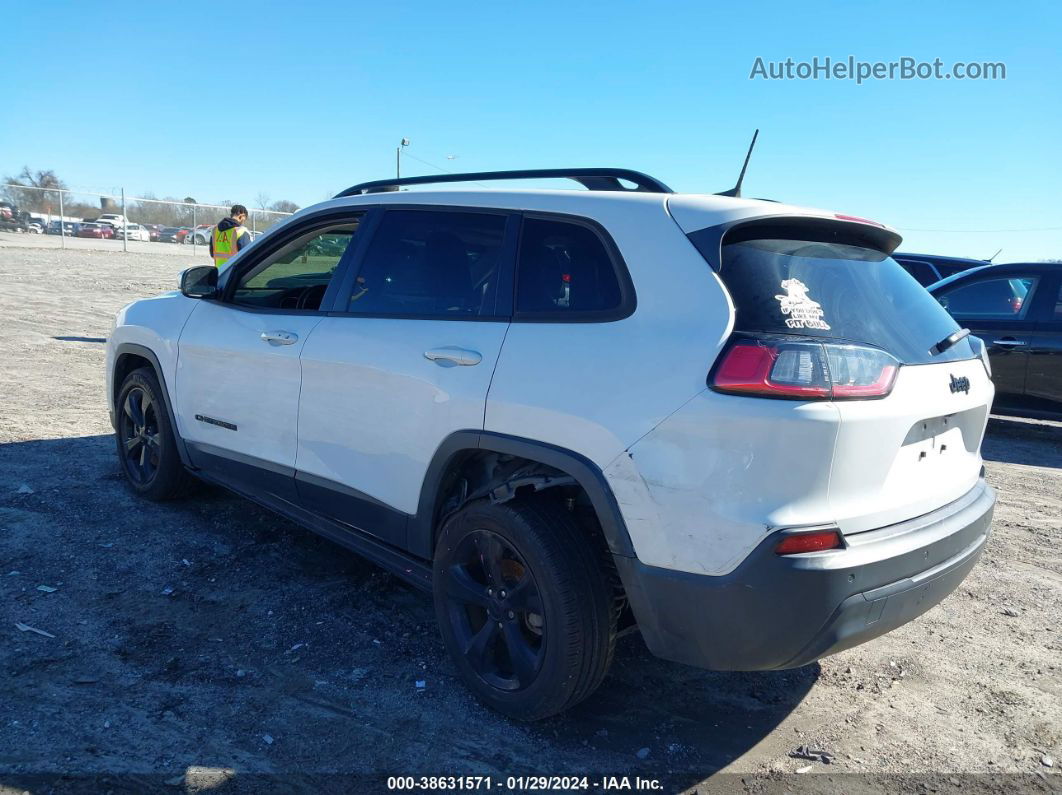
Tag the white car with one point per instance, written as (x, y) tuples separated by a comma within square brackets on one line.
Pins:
[(200, 235), (736, 425), (133, 232), (114, 219)]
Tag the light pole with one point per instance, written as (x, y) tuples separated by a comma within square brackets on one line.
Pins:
[(398, 158)]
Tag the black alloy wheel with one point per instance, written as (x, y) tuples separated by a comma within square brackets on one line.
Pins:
[(496, 611), (139, 434)]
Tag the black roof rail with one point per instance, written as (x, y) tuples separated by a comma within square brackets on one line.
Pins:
[(589, 178)]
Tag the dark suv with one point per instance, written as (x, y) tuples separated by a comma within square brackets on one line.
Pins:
[(930, 268), (1017, 310)]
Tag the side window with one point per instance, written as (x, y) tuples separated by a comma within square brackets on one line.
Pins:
[(296, 276), (923, 272), (1058, 304), (992, 299), (564, 268), (432, 263)]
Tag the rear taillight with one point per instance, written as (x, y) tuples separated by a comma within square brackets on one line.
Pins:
[(804, 370), (798, 543)]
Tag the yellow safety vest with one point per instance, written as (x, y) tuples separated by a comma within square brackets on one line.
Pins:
[(225, 245)]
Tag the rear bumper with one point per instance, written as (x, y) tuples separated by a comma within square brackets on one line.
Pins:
[(782, 612)]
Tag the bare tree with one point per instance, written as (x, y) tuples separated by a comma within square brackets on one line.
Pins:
[(284, 206), (44, 200)]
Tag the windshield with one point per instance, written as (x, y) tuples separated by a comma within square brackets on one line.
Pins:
[(836, 291)]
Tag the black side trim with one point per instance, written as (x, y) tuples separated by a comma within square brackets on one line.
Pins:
[(395, 561), (243, 471), (352, 508), (129, 348), (422, 527)]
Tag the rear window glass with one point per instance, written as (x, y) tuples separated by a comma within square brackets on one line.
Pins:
[(837, 291)]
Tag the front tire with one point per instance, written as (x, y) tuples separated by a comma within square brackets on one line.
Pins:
[(524, 607), (147, 447)]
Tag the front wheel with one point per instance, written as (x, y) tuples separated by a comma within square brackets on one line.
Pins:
[(524, 607), (147, 447)]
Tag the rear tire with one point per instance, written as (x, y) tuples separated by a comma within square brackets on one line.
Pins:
[(524, 607), (145, 440)]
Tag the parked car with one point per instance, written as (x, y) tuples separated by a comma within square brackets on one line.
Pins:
[(113, 219), (172, 234), (71, 228), (35, 226), (133, 232), (12, 219), (154, 231), (731, 424), (200, 235), (931, 268), (96, 230), (1017, 310)]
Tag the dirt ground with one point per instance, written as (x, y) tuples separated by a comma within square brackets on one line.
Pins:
[(208, 645)]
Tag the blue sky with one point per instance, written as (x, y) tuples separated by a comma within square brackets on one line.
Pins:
[(298, 101)]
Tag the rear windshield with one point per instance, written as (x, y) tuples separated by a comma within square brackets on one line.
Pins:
[(837, 291)]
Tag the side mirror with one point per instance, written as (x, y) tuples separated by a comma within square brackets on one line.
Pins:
[(200, 281)]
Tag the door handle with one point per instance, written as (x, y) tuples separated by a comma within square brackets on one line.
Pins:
[(279, 337), (1009, 341), (459, 356)]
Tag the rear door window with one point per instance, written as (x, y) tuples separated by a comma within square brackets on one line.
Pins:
[(836, 291), (991, 299)]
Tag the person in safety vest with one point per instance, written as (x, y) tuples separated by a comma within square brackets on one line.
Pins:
[(229, 236)]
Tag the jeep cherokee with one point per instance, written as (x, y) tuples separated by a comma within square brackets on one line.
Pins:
[(735, 425)]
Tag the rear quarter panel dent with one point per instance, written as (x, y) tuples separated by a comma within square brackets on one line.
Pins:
[(701, 490)]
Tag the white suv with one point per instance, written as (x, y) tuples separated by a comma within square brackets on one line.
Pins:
[(736, 425), (112, 219)]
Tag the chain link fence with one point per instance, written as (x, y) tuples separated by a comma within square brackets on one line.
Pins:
[(83, 219)]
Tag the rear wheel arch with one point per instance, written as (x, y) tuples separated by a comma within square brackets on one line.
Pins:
[(478, 462)]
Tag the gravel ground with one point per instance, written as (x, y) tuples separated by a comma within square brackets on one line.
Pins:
[(208, 644)]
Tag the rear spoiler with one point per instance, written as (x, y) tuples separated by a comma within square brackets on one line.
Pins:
[(847, 230)]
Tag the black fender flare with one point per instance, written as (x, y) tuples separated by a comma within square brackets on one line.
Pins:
[(422, 528), (131, 348)]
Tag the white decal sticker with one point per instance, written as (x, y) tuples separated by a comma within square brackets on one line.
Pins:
[(802, 311)]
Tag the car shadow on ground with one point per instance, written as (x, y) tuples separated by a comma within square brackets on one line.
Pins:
[(677, 723), (235, 625), (1018, 441)]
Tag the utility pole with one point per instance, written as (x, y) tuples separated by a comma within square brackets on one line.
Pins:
[(398, 158)]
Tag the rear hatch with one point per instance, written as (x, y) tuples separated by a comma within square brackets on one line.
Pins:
[(823, 313)]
